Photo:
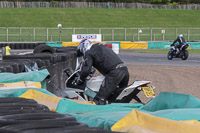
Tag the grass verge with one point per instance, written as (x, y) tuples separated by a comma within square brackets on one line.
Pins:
[(98, 17)]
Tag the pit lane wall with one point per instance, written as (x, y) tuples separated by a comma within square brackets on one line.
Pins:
[(121, 45)]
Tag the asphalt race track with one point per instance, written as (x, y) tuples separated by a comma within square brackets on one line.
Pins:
[(157, 59)]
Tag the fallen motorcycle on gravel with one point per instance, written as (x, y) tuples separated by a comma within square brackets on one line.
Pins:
[(88, 90)]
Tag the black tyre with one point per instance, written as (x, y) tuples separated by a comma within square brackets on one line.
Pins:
[(16, 100), (43, 48), (38, 120), (21, 46), (185, 55), (27, 105), (65, 49), (75, 129), (169, 56), (17, 46), (31, 45), (3, 69), (37, 116), (26, 46), (6, 131), (23, 110), (15, 67), (9, 68), (47, 63)]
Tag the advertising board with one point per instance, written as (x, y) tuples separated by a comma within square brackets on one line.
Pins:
[(91, 37)]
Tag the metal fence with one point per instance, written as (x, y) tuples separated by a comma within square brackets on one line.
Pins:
[(23, 34)]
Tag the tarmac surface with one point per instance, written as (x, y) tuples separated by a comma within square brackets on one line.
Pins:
[(158, 59), (179, 76)]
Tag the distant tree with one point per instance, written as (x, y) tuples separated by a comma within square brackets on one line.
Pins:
[(124, 1)]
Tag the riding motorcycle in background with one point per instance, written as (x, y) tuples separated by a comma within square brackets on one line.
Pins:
[(88, 90), (175, 53)]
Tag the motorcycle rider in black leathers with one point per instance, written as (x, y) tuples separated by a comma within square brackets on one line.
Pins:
[(181, 41), (107, 62)]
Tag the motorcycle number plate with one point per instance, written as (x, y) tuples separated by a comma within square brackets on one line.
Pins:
[(148, 91)]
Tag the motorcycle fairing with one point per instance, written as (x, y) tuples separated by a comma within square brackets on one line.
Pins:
[(94, 83), (128, 90), (72, 94), (89, 92)]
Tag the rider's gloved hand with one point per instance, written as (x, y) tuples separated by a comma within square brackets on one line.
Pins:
[(171, 45), (77, 81)]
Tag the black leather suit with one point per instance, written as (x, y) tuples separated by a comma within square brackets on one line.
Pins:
[(108, 64), (181, 41)]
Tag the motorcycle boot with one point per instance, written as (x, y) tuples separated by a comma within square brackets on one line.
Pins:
[(99, 101), (177, 51)]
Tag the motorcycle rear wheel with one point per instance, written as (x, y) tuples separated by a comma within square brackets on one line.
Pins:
[(170, 55), (185, 55)]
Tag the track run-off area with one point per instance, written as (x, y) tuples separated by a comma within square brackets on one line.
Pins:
[(176, 75)]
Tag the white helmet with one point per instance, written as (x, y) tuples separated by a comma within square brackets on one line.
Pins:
[(83, 46), (181, 35)]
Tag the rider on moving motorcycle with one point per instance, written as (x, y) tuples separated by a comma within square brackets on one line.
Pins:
[(107, 63), (181, 41)]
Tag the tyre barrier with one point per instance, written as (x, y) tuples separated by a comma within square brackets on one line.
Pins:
[(21, 115), (11, 105), (18, 65), (16, 100), (43, 48), (56, 61), (21, 45)]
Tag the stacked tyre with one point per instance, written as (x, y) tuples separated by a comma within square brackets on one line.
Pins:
[(20, 115), (54, 59), (21, 45)]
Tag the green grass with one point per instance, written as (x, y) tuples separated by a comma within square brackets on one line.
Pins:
[(164, 51), (152, 21), (90, 17)]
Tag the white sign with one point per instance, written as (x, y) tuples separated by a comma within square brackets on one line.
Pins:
[(163, 31), (91, 37)]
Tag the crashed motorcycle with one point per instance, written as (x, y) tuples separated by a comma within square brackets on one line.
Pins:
[(88, 90), (175, 53)]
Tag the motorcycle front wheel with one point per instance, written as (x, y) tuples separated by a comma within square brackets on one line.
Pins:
[(185, 55), (170, 55)]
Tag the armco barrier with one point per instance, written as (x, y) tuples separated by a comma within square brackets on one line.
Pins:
[(119, 43), (194, 45), (75, 44), (66, 44), (55, 63), (54, 44), (159, 45), (134, 45), (166, 45), (122, 45)]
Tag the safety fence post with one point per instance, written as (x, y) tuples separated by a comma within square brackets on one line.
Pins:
[(125, 34), (47, 34), (112, 34), (7, 34), (20, 34)]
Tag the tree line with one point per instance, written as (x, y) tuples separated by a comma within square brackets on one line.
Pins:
[(168, 2)]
